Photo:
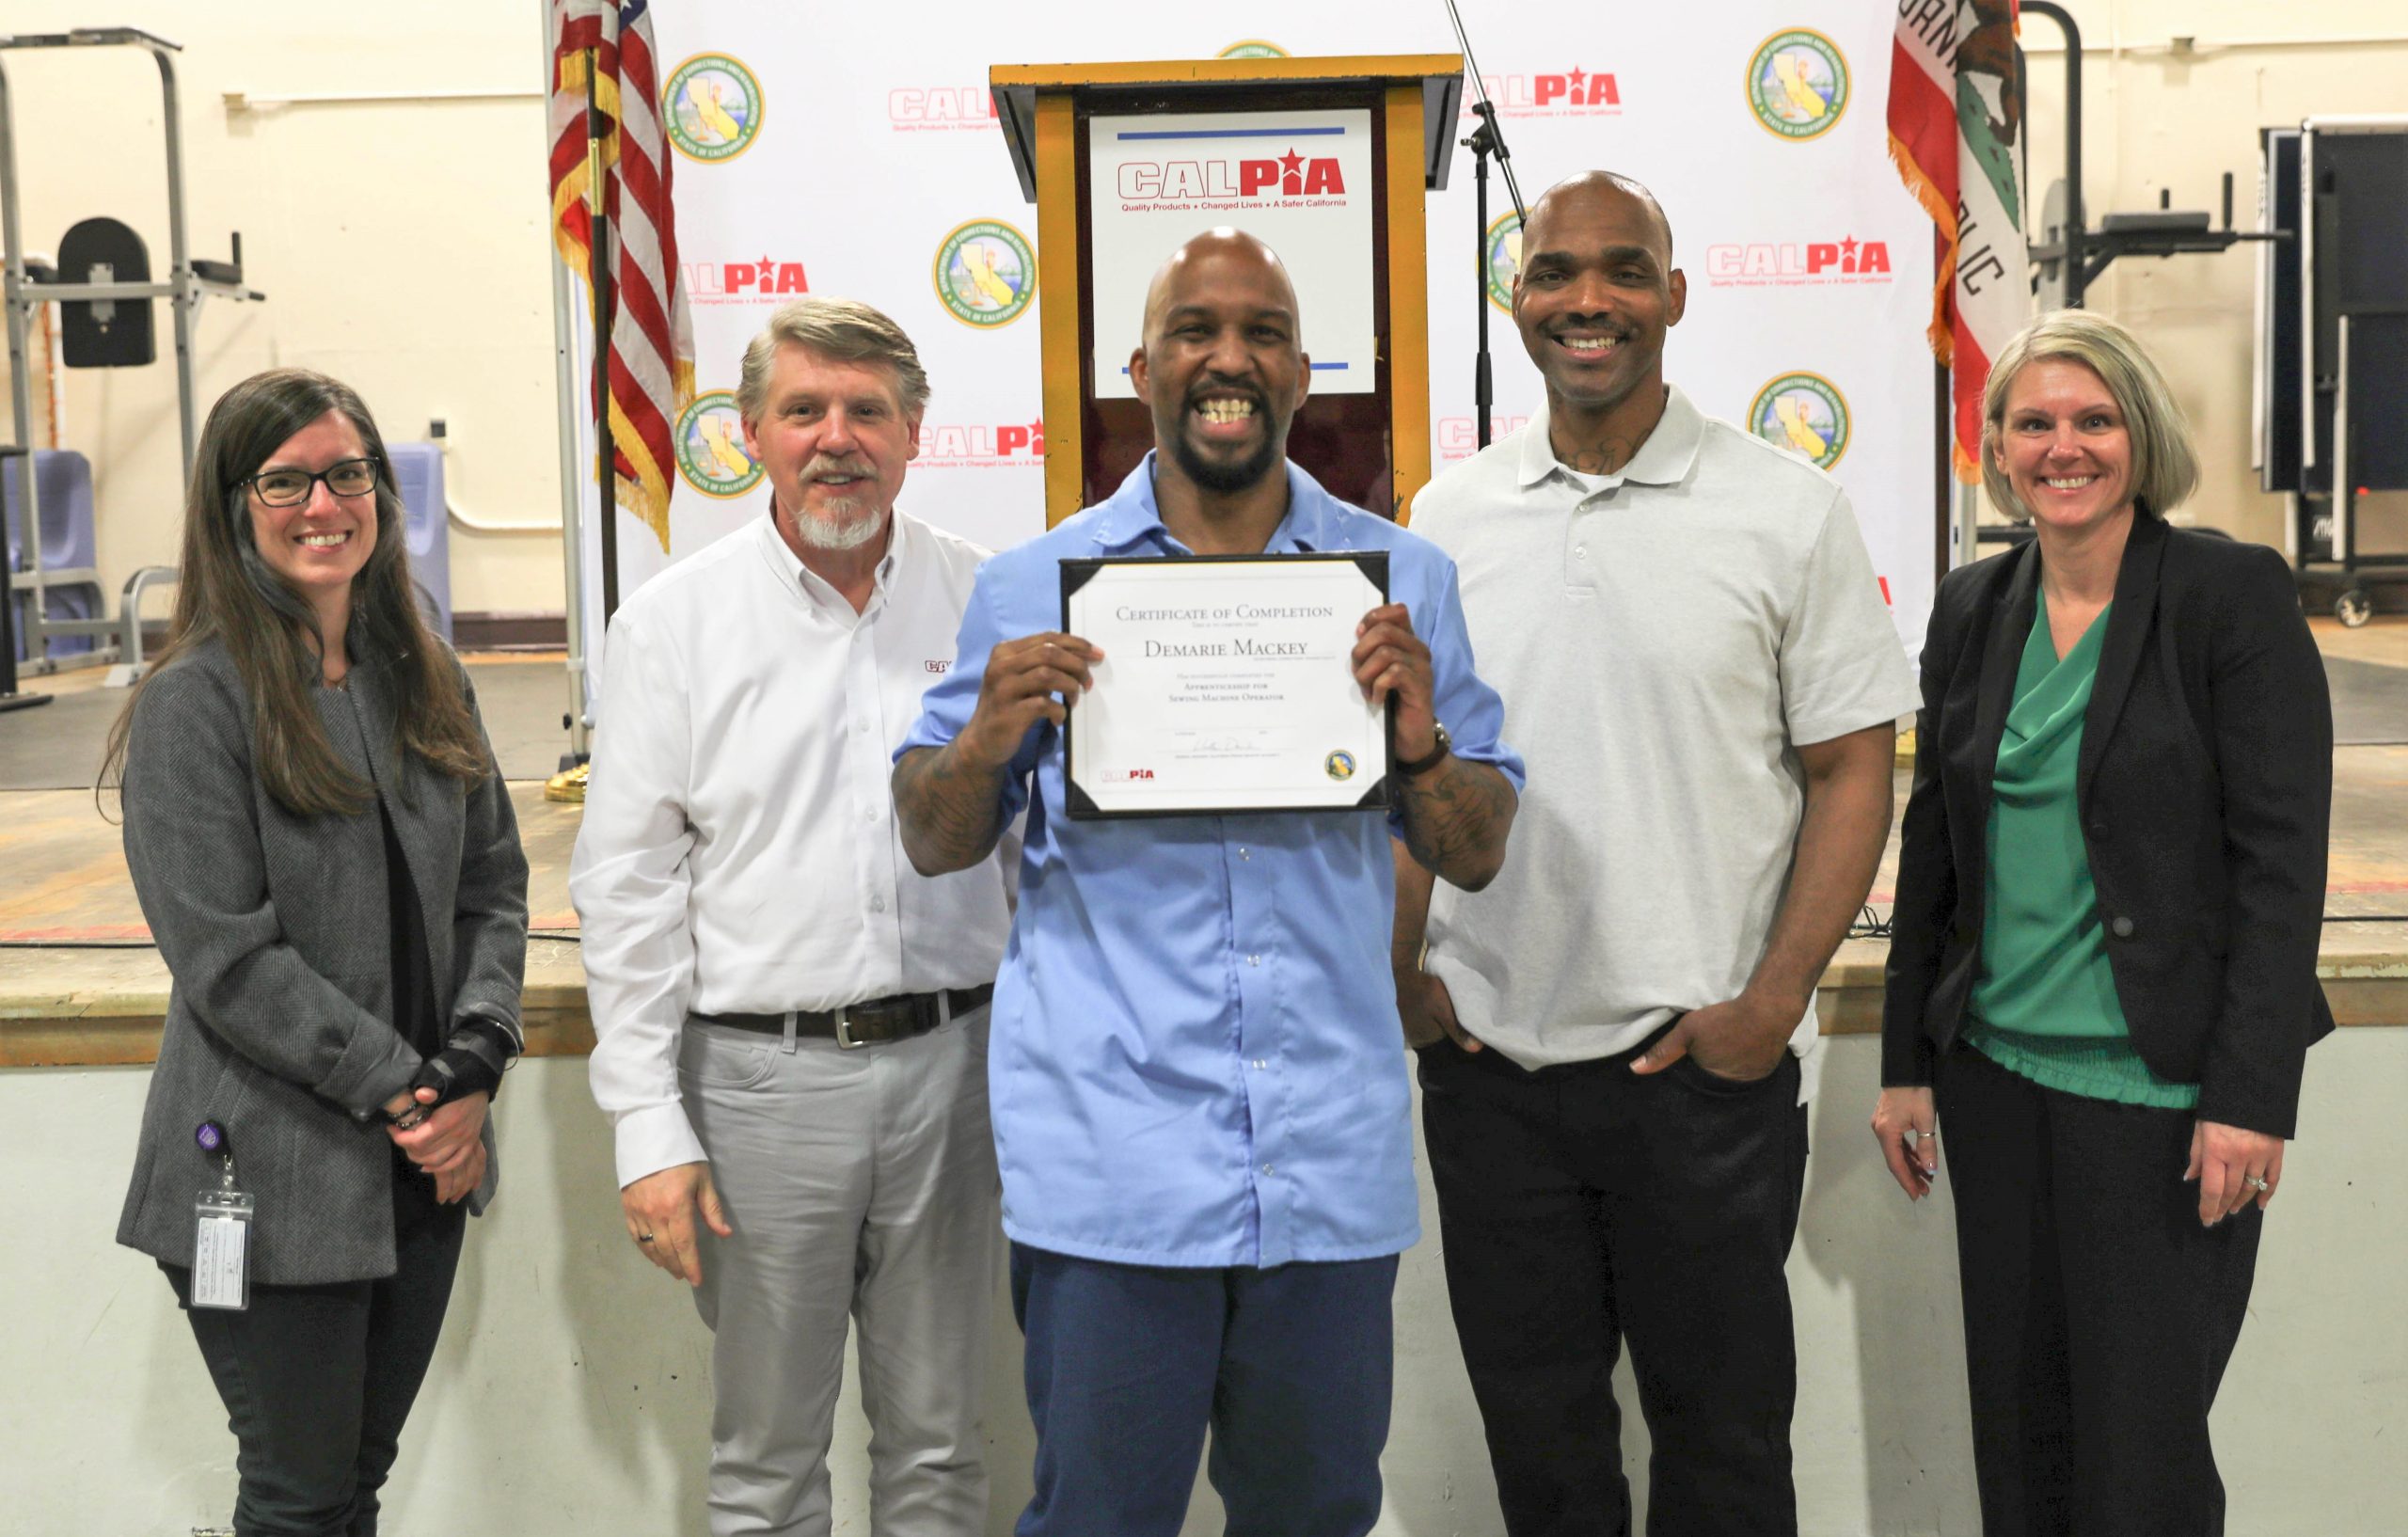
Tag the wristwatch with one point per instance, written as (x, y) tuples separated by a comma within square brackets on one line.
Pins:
[(1436, 755)]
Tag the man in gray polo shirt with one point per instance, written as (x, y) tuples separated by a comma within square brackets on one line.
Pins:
[(1618, 1037)]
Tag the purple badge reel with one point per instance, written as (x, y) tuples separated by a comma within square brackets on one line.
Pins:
[(221, 1250)]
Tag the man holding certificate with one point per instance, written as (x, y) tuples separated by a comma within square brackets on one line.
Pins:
[(1200, 1113)]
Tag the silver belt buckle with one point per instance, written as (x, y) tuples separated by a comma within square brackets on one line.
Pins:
[(844, 1041)]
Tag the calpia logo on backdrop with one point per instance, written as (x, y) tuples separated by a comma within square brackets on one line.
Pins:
[(941, 109), (1805, 413), (1808, 263), (743, 282), (1459, 436), (1574, 93), (710, 447), (1798, 84), (1503, 262), (712, 107), (980, 445), (1233, 182), (986, 274)]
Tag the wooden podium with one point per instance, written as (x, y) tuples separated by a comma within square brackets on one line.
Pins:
[(1126, 160)]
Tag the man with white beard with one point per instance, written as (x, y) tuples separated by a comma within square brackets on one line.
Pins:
[(791, 1023)]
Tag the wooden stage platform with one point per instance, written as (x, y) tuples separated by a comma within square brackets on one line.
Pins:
[(81, 985)]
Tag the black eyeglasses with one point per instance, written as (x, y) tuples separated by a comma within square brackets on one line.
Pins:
[(291, 487)]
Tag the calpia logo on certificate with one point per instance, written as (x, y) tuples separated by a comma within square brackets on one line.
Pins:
[(1227, 685)]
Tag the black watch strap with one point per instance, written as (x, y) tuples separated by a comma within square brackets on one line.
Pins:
[(1436, 756)]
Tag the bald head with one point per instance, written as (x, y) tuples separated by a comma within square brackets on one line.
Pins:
[(1595, 294), (1590, 188), (1215, 254), (1221, 366)]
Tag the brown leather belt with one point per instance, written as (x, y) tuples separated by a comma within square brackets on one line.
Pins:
[(870, 1024)]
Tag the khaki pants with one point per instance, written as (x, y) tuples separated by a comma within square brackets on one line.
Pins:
[(859, 1183)]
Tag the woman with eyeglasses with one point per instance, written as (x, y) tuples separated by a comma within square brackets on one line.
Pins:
[(325, 850)]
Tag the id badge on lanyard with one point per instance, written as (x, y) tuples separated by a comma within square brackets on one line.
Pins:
[(221, 1250)]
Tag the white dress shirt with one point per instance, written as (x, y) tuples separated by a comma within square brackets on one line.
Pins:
[(739, 851)]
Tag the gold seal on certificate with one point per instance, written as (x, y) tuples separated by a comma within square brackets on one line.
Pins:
[(1227, 685)]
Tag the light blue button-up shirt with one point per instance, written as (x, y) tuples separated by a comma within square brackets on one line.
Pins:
[(1195, 1057)]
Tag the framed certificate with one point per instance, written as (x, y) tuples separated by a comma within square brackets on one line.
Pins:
[(1227, 685)]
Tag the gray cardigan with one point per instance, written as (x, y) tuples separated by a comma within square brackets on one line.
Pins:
[(276, 933)]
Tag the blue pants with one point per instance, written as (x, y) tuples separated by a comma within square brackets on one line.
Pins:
[(1291, 1367)]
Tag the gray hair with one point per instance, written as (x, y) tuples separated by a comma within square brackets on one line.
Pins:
[(2165, 467), (841, 330)]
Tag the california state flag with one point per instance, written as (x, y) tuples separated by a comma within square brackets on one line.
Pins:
[(1955, 120)]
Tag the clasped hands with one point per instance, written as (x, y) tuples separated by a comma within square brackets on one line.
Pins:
[(446, 1141)]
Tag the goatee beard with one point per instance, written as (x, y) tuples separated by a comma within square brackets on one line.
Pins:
[(1224, 479), (839, 531)]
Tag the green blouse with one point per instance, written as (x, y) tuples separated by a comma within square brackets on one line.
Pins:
[(2045, 1006)]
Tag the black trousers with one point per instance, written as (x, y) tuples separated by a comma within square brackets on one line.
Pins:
[(317, 1380), (1582, 1205), (2098, 1315)]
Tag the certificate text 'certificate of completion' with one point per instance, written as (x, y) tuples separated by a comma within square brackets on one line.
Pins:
[(1227, 685)]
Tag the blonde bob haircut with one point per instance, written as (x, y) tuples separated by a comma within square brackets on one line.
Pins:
[(841, 331), (2165, 468)]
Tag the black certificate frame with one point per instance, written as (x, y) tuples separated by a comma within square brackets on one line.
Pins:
[(1377, 796)]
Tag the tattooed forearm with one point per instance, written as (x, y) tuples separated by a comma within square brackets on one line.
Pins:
[(951, 813), (1456, 818)]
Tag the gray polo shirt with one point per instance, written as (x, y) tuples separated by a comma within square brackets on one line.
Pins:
[(1662, 638)]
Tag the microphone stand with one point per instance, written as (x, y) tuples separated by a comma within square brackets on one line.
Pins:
[(1486, 142)]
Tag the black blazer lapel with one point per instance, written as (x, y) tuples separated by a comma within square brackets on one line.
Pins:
[(2002, 656), (2119, 655)]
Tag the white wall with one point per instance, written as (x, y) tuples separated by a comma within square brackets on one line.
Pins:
[(401, 245), (571, 1391), (2152, 119)]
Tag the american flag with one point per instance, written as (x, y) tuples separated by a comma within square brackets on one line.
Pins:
[(652, 337), (1955, 127)]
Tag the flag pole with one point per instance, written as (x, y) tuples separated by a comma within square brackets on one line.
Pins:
[(579, 719), (598, 264)]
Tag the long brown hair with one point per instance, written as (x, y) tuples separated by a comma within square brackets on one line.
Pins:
[(228, 594)]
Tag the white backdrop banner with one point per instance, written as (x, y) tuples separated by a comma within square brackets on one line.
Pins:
[(854, 151)]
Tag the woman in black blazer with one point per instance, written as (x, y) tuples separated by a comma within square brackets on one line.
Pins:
[(2102, 969), (328, 862)]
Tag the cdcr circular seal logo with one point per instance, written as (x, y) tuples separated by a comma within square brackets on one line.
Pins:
[(1339, 765), (1804, 412), (711, 107), (1504, 261), (1798, 84), (710, 447), (986, 274), (1253, 48)]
